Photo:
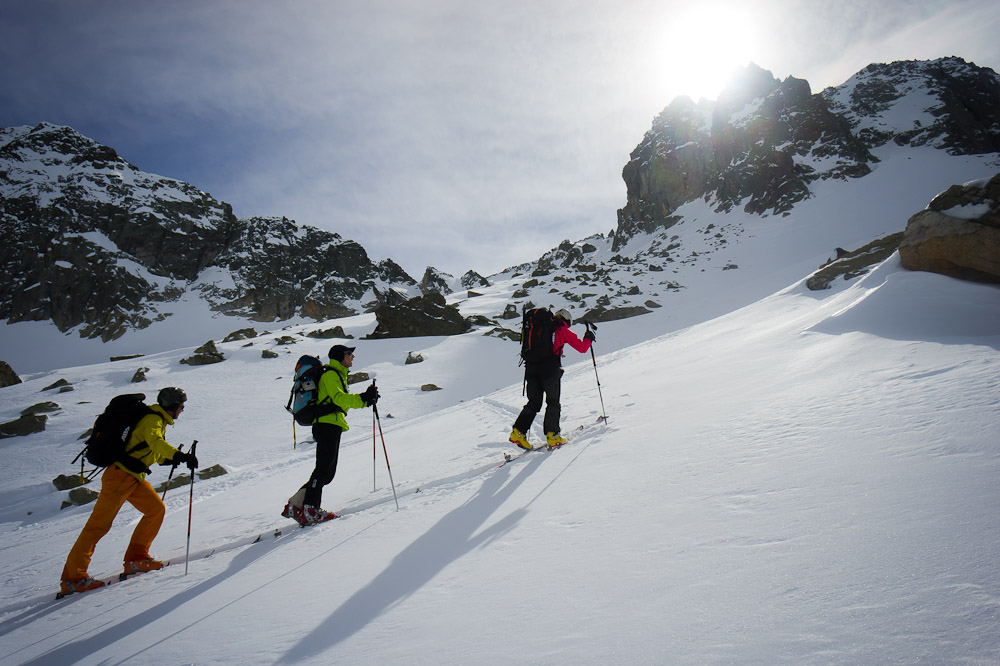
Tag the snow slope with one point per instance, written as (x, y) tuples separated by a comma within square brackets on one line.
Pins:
[(810, 479)]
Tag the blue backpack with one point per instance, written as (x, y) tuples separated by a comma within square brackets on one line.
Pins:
[(303, 402)]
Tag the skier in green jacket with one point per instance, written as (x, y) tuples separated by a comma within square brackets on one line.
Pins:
[(335, 399)]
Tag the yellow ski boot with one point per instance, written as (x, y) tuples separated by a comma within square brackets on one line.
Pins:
[(554, 440), (519, 438)]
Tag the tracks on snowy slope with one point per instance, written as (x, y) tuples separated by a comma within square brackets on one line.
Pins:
[(285, 528)]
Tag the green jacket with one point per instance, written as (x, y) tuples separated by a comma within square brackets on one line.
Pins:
[(147, 443), (333, 389)]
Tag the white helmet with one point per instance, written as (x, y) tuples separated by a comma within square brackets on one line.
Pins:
[(563, 313)]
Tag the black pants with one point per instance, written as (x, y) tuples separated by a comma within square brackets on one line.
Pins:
[(327, 436), (537, 386)]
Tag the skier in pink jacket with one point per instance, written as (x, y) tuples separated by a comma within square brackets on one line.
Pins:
[(542, 379)]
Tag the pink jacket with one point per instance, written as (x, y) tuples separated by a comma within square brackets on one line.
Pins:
[(564, 336)]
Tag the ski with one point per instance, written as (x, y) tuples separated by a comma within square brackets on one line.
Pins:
[(110, 580), (122, 577), (510, 457)]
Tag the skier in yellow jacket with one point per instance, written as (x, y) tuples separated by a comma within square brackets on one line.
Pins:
[(119, 484), (334, 399)]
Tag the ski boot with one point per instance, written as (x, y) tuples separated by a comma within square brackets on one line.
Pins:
[(141, 566), (312, 515), (519, 438), (554, 440), (83, 585)]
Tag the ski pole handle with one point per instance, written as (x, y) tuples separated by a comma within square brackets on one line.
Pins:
[(166, 486)]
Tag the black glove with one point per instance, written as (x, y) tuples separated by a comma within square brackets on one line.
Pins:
[(370, 395), (589, 335), (188, 459)]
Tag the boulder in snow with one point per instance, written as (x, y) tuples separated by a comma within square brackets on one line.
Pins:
[(7, 375), (26, 425), (205, 355), (958, 234)]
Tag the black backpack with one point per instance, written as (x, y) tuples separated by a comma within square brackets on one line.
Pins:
[(537, 328), (109, 439)]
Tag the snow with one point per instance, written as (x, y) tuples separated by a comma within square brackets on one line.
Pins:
[(810, 479), (968, 211), (738, 118)]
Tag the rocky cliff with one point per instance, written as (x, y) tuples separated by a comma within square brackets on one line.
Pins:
[(765, 143)]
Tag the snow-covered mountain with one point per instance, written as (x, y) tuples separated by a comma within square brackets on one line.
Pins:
[(719, 198), (729, 201)]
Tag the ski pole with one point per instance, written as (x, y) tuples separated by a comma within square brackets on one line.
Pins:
[(187, 553), (166, 486), (391, 482), (604, 413)]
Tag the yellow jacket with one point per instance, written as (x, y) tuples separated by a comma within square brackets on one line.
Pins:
[(147, 443), (333, 389)]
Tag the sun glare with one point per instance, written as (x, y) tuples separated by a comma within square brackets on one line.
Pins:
[(701, 48)]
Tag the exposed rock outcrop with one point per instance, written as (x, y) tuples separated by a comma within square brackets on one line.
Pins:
[(958, 234), (206, 354), (25, 425), (7, 375), (852, 264), (423, 315)]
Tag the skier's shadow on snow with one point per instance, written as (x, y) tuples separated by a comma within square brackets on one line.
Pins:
[(72, 652), (452, 537)]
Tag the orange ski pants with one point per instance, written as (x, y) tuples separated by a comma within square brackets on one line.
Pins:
[(117, 487)]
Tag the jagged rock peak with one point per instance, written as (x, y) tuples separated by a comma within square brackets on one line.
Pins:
[(436, 281), (764, 143), (472, 280)]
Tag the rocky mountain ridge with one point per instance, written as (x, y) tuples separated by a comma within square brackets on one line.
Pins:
[(708, 175), (95, 243)]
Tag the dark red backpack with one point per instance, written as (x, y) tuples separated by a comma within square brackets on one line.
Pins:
[(538, 327)]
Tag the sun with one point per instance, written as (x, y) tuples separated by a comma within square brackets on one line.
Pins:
[(701, 48)]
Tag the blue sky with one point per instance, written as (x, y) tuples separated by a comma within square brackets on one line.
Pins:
[(463, 135)]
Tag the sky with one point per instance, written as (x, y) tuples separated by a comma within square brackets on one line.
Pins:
[(434, 132)]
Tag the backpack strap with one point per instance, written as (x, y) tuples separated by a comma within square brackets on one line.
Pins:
[(326, 406), (128, 460)]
